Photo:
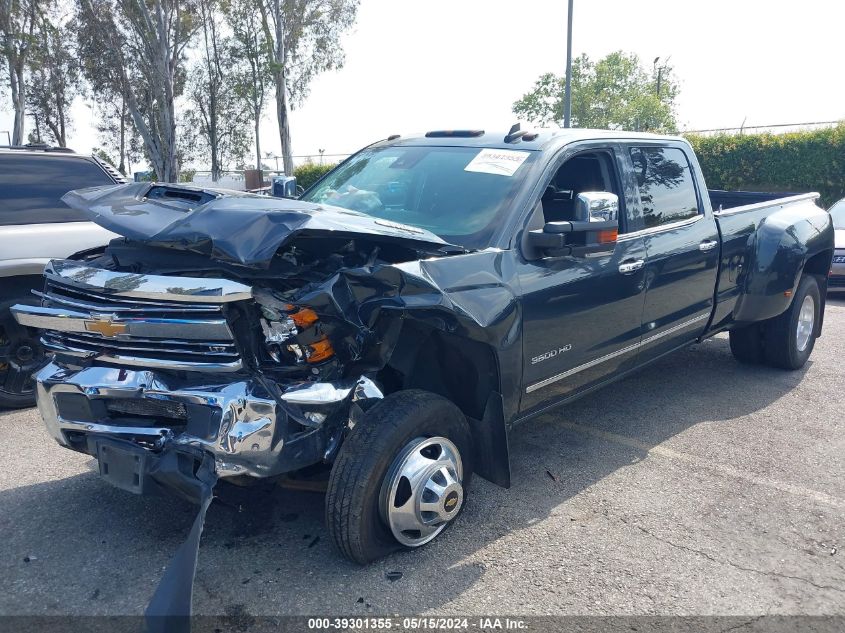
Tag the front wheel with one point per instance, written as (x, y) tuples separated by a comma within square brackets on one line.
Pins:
[(401, 476), (791, 336)]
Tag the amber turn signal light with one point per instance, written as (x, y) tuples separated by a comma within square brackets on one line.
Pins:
[(304, 317), (320, 350), (606, 237)]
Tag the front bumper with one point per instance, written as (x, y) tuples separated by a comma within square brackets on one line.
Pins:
[(241, 425)]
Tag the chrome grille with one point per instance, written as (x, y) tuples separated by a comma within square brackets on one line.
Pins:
[(136, 320), (66, 296)]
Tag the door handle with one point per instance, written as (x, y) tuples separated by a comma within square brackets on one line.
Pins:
[(707, 245), (631, 267)]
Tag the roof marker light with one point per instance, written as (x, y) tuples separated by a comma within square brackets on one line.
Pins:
[(454, 133)]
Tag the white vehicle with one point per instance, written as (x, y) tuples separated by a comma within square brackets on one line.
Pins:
[(836, 280), (35, 227)]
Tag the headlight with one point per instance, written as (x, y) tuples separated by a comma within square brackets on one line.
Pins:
[(282, 323)]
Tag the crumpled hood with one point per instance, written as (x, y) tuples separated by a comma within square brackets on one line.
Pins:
[(231, 225)]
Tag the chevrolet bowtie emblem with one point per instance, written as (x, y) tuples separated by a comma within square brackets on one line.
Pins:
[(106, 328)]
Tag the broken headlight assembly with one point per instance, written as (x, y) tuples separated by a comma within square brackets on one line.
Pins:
[(292, 332)]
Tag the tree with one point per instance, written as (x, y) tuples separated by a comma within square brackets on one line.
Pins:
[(117, 132), (615, 92), (18, 19), (220, 122), (250, 45), (145, 42), (54, 78), (303, 40)]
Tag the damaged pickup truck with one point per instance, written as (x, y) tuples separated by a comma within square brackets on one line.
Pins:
[(395, 323)]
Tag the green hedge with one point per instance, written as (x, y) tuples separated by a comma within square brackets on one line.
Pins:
[(796, 161), (309, 173)]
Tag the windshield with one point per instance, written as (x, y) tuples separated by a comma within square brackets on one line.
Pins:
[(458, 193), (837, 212)]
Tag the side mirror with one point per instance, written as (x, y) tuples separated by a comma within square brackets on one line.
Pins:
[(283, 187), (597, 206), (593, 233)]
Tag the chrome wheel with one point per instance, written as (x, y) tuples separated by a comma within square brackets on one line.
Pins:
[(422, 491), (806, 320)]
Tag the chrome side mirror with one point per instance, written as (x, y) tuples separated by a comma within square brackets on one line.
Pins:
[(597, 206), (283, 187)]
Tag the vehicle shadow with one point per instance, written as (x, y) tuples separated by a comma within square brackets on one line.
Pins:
[(266, 551)]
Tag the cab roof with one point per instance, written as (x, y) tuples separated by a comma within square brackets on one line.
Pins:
[(537, 139)]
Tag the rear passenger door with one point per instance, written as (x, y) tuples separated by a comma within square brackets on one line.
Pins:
[(682, 247)]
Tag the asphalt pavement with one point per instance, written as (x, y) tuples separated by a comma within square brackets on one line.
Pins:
[(697, 487)]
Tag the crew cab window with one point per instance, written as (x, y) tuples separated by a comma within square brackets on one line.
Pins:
[(667, 190), (591, 171), (31, 187)]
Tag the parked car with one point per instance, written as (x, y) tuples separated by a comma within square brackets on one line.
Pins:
[(395, 324), (836, 280), (35, 227)]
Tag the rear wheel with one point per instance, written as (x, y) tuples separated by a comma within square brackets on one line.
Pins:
[(401, 476), (21, 354), (791, 336)]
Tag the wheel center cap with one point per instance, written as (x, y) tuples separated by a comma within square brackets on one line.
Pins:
[(451, 501)]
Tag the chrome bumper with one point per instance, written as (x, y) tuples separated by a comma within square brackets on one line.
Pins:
[(247, 430)]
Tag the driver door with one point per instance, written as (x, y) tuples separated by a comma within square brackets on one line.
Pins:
[(582, 315)]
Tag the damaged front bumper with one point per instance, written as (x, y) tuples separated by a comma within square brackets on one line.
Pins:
[(141, 417)]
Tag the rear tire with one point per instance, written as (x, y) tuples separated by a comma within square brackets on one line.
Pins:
[(791, 336), (367, 462), (747, 344)]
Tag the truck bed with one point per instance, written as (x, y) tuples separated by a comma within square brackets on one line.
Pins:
[(721, 200), (764, 242)]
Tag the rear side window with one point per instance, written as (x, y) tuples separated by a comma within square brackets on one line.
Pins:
[(31, 187), (667, 190)]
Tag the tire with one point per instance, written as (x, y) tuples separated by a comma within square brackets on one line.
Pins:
[(782, 348), (747, 344), (21, 354), (368, 459)]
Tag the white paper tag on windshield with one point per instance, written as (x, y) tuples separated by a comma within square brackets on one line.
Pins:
[(503, 162)]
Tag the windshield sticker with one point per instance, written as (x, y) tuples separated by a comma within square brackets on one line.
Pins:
[(503, 162)]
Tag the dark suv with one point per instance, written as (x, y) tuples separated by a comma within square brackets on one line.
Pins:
[(35, 227)]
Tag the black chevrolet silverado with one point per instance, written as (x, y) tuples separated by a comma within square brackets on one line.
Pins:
[(398, 321)]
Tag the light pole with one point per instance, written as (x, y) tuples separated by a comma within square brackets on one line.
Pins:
[(567, 95), (8, 136), (659, 73), (654, 72)]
